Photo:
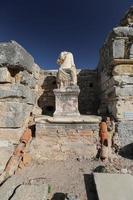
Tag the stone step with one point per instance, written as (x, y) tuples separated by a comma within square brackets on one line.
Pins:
[(53, 125), (114, 186)]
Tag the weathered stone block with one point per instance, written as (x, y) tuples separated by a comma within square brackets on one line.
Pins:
[(123, 80), (125, 130), (123, 107), (36, 71), (14, 114), (118, 48), (124, 91), (15, 56), (119, 91), (27, 79), (4, 75), (67, 101), (125, 69), (118, 185), (17, 91)]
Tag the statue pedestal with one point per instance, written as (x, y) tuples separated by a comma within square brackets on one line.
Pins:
[(66, 101)]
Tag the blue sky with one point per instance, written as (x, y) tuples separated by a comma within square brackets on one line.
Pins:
[(47, 27)]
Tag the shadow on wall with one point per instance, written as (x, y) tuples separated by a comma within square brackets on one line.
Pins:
[(127, 151), (88, 97), (47, 100)]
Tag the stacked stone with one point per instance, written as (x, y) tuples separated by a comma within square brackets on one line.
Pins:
[(18, 94), (116, 71), (116, 77), (18, 80)]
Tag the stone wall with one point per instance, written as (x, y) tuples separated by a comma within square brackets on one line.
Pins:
[(116, 72), (116, 77), (18, 95), (59, 140), (18, 85), (125, 130), (88, 99)]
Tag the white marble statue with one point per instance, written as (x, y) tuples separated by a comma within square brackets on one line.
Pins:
[(67, 74)]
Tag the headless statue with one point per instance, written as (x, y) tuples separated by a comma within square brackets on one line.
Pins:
[(67, 74)]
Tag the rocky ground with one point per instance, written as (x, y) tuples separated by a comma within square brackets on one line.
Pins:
[(72, 177)]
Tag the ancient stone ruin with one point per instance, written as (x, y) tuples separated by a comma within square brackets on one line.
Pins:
[(115, 72), (67, 104)]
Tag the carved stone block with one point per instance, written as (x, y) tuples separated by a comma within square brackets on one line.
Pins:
[(67, 101)]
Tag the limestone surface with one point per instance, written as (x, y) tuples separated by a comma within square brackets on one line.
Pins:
[(24, 187), (119, 48), (66, 101), (31, 192), (14, 55), (116, 70), (117, 186), (4, 75), (27, 79), (18, 89), (14, 114)]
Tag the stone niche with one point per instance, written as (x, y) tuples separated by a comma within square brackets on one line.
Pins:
[(46, 85), (67, 101), (88, 99)]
